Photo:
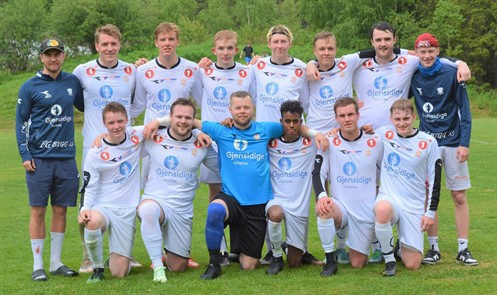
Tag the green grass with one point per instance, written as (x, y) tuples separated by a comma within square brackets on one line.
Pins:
[(448, 277)]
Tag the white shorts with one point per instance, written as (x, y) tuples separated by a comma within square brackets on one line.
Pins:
[(120, 223), (176, 230), (408, 225), (456, 173), (296, 227), (360, 233)]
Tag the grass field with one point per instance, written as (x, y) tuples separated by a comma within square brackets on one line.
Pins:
[(448, 277)]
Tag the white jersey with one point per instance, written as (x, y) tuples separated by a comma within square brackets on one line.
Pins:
[(275, 84), (333, 85), (158, 87), (291, 167), (407, 163), (214, 87), (350, 167), (379, 86), (102, 85), (173, 169), (112, 173)]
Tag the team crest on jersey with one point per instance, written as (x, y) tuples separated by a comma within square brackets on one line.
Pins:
[(104, 156), (242, 73), (273, 143), (389, 134), (257, 136), (208, 71), (188, 73), (337, 142), (135, 139), (342, 65), (128, 70), (149, 74), (402, 60), (261, 65), (158, 138), (306, 141), (423, 145), (91, 71), (371, 143), (197, 144), (299, 72), (367, 64)]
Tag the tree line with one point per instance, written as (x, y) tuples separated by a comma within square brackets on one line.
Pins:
[(465, 29)]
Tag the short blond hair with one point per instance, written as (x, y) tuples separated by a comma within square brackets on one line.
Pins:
[(108, 29), (402, 105), (324, 36), (166, 27), (226, 35), (279, 29)]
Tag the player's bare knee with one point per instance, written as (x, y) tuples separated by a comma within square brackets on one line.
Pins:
[(412, 264), (178, 267), (275, 213)]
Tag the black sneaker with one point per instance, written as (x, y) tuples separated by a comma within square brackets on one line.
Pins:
[(275, 266), (389, 270), (225, 260), (308, 258), (96, 277), (432, 257), (331, 266), (465, 257), (213, 271), (267, 259)]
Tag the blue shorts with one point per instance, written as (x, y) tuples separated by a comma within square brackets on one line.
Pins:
[(248, 59), (54, 178)]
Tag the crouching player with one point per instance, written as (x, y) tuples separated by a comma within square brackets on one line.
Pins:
[(410, 159), (291, 163), (350, 165), (112, 191)]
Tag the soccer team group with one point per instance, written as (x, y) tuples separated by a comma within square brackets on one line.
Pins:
[(370, 168)]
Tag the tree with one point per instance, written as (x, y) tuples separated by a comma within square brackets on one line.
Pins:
[(21, 31)]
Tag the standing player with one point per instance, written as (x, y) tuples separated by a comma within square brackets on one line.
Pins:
[(350, 164), (45, 139), (166, 208), (279, 77), (164, 79), (291, 165), (214, 87), (443, 109), (410, 158), (104, 80), (112, 192)]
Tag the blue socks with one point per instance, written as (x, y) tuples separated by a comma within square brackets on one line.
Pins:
[(214, 227)]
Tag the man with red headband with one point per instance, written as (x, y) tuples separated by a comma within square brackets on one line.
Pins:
[(444, 112)]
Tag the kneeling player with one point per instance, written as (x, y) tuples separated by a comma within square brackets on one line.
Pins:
[(410, 158), (350, 165), (112, 191)]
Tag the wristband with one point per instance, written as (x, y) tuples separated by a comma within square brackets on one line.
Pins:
[(312, 132), (164, 121), (322, 195)]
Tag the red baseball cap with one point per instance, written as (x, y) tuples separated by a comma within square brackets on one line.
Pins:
[(426, 40)]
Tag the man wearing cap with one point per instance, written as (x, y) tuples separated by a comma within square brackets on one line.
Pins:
[(443, 109), (45, 138)]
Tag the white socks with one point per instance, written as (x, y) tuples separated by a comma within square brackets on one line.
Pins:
[(37, 249), (326, 230), (149, 213), (94, 245), (55, 250), (274, 232), (384, 234)]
